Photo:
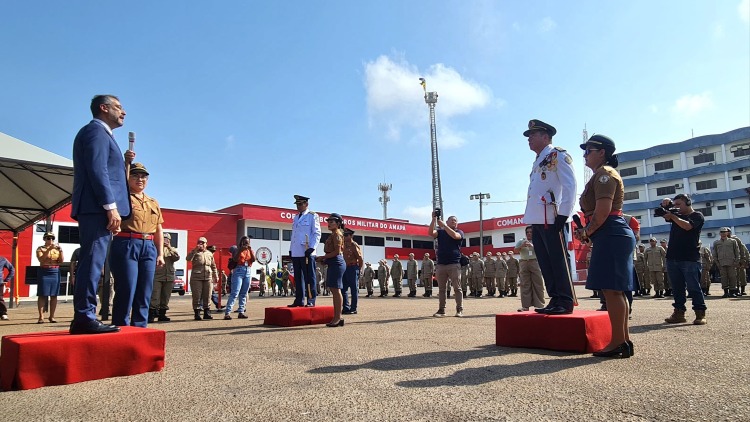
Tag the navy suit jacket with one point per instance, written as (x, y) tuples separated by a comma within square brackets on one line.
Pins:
[(98, 173)]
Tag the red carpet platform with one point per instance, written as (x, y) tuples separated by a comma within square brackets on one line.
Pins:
[(581, 331), (292, 317), (57, 358)]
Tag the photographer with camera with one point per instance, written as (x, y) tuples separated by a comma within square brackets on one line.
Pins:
[(683, 257), (448, 266)]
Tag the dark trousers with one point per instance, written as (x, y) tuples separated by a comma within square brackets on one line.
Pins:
[(552, 255), (95, 239), (304, 277), (133, 262), (3, 308), (351, 283)]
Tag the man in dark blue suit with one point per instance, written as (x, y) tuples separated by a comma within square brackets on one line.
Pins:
[(100, 203)]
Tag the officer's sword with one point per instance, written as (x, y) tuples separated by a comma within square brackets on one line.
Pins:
[(307, 262)]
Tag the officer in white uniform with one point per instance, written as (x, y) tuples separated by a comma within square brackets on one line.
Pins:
[(552, 192), (305, 238)]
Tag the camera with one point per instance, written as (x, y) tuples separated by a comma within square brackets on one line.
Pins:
[(438, 213), (665, 208)]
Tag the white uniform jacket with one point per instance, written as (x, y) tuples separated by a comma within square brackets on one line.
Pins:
[(305, 233), (552, 187)]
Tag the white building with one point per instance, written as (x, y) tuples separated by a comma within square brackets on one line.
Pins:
[(713, 169)]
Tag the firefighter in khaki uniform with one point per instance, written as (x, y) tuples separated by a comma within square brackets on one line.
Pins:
[(642, 271), (368, 274), (397, 275), (163, 282), (742, 268), (727, 257), (655, 262), (412, 272), (203, 273), (428, 269), (489, 274), (138, 249), (667, 286), (477, 274), (706, 261), (383, 278), (512, 278), (501, 272)]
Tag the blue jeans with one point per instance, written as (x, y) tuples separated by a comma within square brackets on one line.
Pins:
[(351, 282), (240, 285), (686, 275)]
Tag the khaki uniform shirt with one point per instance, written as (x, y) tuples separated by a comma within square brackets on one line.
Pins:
[(477, 268), (49, 256), (501, 267), (368, 274), (489, 267), (513, 267), (353, 254), (655, 258), (382, 275), (166, 273), (605, 183), (335, 243), (726, 252), (411, 269), (744, 253), (145, 217), (428, 268), (397, 271), (204, 266), (640, 261), (706, 258)]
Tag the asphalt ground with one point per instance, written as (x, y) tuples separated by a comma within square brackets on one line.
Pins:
[(395, 362)]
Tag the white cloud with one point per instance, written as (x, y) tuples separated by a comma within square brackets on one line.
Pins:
[(744, 10), (395, 99), (691, 104), (418, 214), (547, 24)]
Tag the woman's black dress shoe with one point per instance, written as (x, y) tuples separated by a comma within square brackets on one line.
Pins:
[(338, 324), (621, 351)]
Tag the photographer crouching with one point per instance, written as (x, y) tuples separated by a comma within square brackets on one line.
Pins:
[(683, 257)]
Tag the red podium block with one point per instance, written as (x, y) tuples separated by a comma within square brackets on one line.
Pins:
[(57, 358), (292, 317), (581, 331)]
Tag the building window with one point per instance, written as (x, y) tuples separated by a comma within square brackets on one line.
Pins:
[(374, 241), (423, 244), (41, 228), (631, 195), (664, 165), (747, 178), (740, 150), (721, 207), (286, 235), (705, 211), (706, 184), (638, 217), (630, 171), (739, 205), (474, 241), (405, 243), (357, 239), (487, 240), (739, 177), (704, 158), (389, 238), (509, 238), (68, 234), (666, 190), (261, 233)]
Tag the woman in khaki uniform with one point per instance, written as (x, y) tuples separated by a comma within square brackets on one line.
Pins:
[(48, 277)]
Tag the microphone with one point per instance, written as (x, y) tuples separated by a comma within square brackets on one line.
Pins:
[(577, 220), (131, 140)]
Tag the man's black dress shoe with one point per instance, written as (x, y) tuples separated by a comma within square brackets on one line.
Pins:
[(294, 305), (92, 327), (310, 305), (558, 310), (346, 312), (543, 310)]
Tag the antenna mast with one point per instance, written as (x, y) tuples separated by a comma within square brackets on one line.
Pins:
[(430, 98), (384, 188)]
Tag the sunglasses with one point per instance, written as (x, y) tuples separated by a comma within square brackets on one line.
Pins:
[(590, 150)]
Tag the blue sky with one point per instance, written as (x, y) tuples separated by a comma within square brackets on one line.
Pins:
[(236, 101)]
